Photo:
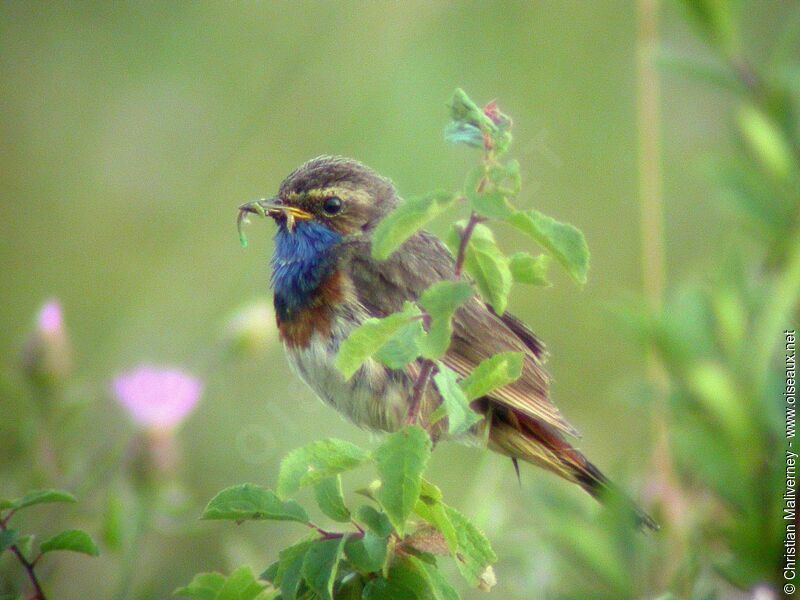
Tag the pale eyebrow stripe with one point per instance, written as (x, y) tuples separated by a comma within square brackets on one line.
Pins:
[(329, 191), (346, 193)]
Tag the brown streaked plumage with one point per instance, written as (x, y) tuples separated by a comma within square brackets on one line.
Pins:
[(327, 283)]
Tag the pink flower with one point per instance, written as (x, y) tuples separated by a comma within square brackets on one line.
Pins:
[(47, 356), (51, 319), (500, 119), (158, 398)]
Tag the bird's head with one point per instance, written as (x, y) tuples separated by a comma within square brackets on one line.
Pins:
[(327, 201), (339, 194)]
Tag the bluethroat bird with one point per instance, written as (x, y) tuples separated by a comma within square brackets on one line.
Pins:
[(326, 284)]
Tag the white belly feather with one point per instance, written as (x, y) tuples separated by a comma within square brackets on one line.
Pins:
[(375, 398)]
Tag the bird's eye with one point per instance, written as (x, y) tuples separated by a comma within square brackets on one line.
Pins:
[(332, 205)]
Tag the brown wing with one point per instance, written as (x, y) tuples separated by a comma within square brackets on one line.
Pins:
[(382, 287), (478, 334)]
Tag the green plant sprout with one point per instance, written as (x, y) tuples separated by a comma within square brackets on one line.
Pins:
[(22, 546)]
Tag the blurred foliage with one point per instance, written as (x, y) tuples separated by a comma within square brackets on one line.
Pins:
[(719, 345), (131, 132), (22, 546), (387, 556)]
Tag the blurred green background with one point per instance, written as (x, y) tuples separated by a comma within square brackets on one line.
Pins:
[(132, 132)]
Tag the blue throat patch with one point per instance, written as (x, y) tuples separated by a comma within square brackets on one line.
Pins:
[(303, 259)]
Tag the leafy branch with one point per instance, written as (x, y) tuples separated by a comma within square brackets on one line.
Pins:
[(73, 540), (479, 264), (428, 367), (8, 534), (394, 542), (387, 552)]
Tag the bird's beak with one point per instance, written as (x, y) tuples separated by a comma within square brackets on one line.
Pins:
[(276, 209)]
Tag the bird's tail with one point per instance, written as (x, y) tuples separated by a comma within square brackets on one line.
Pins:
[(523, 438)]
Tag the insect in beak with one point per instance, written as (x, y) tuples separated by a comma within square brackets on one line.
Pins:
[(270, 208)]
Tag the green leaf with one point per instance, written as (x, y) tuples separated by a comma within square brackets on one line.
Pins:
[(320, 565), (460, 416), (487, 265), (441, 301), (370, 337), (271, 572), (406, 581), (8, 537), (240, 585), (25, 545), (716, 20), (438, 587), (484, 197), (471, 125), (430, 491), (434, 513), (493, 373), (401, 460), (506, 178), (464, 110), (475, 554), (350, 587), (368, 553), (371, 490), (204, 586), (404, 346), (317, 461), (463, 133), (408, 218), (563, 241), (374, 520), (290, 568), (114, 521), (530, 269), (41, 497), (442, 590), (716, 390), (494, 205), (767, 141), (250, 502), (72, 540), (330, 498)]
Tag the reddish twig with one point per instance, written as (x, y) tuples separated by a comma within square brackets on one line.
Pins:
[(7, 518), (419, 391), (28, 566), (474, 219), (357, 526), (428, 365), (335, 535)]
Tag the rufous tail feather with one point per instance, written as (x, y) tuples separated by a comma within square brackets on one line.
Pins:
[(523, 438)]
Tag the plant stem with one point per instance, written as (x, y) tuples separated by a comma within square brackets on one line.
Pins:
[(474, 219), (145, 508), (419, 391), (428, 365), (649, 142), (335, 535), (28, 566), (663, 481)]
